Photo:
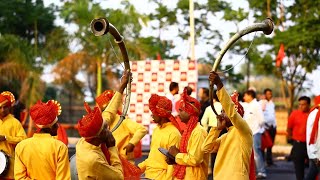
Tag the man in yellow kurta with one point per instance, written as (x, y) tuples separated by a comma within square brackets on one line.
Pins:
[(166, 134), (11, 130), (128, 134), (96, 154), (234, 148), (43, 156), (191, 162)]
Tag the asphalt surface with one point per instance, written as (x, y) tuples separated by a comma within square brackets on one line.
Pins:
[(281, 170)]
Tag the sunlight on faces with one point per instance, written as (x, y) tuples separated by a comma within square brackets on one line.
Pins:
[(156, 119), (104, 133), (4, 110), (223, 119), (304, 106), (184, 116)]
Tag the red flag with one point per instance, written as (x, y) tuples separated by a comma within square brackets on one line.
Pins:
[(280, 55), (159, 56)]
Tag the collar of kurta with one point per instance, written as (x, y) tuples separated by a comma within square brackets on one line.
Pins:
[(88, 145), (42, 135), (7, 117), (165, 125)]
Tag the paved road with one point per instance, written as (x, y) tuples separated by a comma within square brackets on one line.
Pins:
[(282, 170)]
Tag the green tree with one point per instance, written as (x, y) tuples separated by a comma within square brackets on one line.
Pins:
[(301, 38), (101, 49)]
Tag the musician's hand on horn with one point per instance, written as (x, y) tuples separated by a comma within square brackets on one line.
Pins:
[(215, 79), (124, 80)]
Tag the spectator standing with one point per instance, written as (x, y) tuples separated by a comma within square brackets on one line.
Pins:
[(174, 89), (203, 95), (269, 113), (254, 116), (296, 134)]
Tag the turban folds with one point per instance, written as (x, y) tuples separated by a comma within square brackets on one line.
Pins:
[(189, 104), (91, 124), (161, 106), (7, 98), (238, 106), (45, 115), (103, 99)]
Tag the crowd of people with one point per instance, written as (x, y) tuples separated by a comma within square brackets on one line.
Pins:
[(233, 138)]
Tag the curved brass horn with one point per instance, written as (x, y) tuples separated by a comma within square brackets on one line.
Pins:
[(266, 26), (99, 27)]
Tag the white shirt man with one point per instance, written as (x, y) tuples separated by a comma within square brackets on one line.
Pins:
[(268, 109)]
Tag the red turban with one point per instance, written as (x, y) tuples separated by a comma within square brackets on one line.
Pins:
[(192, 107), (91, 124), (238, 106), (45, 115), (104, 98), (161, 106), (189, 104), (7, 98)]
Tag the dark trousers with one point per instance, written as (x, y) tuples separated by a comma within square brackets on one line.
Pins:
[(272, 132), (313, 170), (299, 156)]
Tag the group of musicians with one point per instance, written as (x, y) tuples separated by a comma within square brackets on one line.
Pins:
[(102, 154)]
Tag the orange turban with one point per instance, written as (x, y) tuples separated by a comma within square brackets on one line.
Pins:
[(160, 106), (104, 98), (7, 98), (238, 107), (189, 104), (45, 115), (91, 124)]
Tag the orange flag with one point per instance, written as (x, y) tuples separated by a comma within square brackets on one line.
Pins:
[(280, 55), (159, 56)]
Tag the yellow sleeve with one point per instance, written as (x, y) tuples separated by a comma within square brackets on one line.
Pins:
[(138, 131), (173, 140), (20, 171), (63, 167), (111, 110), (103, 170), (114, 158), (19, 136), (142, 166), (194, 156), (229, 107), (211, 142)]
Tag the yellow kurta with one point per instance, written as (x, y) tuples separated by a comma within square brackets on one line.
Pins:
[(92, 164), (14, 132), (234, 148), (195, 160), (41, 157), (128, 132), (155, 166)]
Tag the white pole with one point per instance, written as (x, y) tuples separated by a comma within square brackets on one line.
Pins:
[(191, 7)]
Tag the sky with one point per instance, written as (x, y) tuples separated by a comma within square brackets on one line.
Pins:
[(182, 46)]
